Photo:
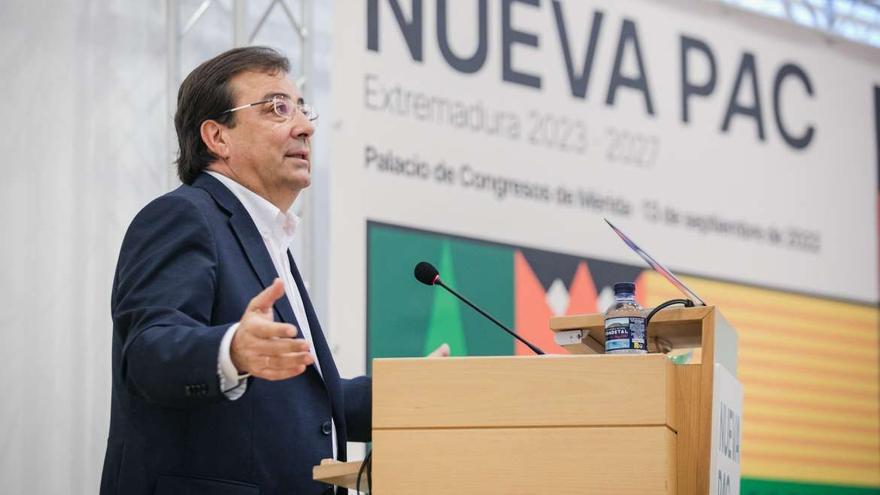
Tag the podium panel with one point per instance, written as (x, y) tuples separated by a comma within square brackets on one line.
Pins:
[(550, 390), (569, 460)]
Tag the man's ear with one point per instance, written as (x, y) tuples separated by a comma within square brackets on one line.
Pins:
[(214, 137)]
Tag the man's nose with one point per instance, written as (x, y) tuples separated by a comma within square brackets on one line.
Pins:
[(302, 126)]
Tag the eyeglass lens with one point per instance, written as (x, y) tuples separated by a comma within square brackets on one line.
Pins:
[(285, 108)]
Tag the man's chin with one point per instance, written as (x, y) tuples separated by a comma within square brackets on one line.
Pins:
[(299, 181)]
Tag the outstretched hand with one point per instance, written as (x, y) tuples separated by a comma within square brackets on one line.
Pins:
[(265, 348)]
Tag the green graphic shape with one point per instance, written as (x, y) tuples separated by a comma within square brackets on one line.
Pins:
[(445, 325), (407, 319), (484, 274)]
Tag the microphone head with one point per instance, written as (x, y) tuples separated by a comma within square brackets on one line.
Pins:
[(426, 273)]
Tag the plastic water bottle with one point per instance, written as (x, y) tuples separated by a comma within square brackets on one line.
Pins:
[(625, 331)]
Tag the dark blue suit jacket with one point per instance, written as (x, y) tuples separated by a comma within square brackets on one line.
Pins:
[(190, 263)]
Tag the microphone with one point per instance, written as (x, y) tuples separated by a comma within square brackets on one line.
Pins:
[(428, 275)]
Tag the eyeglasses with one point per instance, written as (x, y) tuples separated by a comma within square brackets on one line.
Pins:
[(283, 108)]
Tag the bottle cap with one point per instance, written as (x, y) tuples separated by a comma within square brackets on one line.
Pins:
[(624, 288)]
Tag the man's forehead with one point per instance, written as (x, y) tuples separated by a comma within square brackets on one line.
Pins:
[(254, 85)]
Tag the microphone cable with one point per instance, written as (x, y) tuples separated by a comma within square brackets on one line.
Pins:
[(686, 302)]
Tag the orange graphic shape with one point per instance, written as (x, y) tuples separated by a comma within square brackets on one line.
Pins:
[(532, 311), (582, 295)]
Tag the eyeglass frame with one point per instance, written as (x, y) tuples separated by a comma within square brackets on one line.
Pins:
[(305, 108)]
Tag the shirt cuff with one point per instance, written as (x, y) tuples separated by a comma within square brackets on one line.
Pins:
[(232, 385)]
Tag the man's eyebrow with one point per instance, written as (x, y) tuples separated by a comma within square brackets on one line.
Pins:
[(269, 96)]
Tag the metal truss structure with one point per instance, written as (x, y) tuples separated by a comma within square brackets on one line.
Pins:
[(857, 20)]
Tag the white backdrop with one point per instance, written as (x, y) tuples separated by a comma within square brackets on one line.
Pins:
[(82, 135), (82, 92)]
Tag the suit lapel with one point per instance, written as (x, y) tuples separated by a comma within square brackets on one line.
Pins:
[(328, 366), (251, 241)]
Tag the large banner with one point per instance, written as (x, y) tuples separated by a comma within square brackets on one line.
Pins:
[(735, 149), (731, 152)]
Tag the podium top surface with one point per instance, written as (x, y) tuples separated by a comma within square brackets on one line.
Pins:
[(670, 329), (670, 316)]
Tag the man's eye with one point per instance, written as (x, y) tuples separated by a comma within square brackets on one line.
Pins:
[(282, 107)]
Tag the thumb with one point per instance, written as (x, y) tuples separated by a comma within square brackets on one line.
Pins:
[(265, 299)]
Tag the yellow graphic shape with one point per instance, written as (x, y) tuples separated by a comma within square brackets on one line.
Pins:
[(809, 369)]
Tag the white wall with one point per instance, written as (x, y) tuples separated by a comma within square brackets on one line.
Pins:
[(82, 93), (83, 141)]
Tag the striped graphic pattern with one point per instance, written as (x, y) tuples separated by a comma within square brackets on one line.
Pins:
[(809, 368)]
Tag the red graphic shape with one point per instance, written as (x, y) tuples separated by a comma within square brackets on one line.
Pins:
[(532, 311)]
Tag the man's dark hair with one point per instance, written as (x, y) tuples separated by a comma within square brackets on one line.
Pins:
[(206, 94)]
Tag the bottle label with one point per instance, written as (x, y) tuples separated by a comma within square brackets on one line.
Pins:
[(625, 334)]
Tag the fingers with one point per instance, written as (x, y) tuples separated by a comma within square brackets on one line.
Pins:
[(271, 357), (265, 299), (256, 336), (287, 361), (271, 330), (283, 366), (272, 347)]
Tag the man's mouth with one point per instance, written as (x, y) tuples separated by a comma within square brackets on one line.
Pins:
[(302, 155)]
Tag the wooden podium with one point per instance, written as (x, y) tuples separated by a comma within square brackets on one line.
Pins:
[(586, 423)]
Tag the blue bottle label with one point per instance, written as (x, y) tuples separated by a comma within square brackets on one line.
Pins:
[(625, 335)]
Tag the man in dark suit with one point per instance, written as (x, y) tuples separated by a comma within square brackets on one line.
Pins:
[(222, 379)]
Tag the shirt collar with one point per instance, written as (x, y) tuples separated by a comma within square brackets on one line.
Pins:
[(273, 223)]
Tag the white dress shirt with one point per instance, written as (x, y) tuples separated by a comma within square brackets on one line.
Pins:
[(277, 229)]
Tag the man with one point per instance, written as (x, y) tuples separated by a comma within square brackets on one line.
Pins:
[(222, 379)]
